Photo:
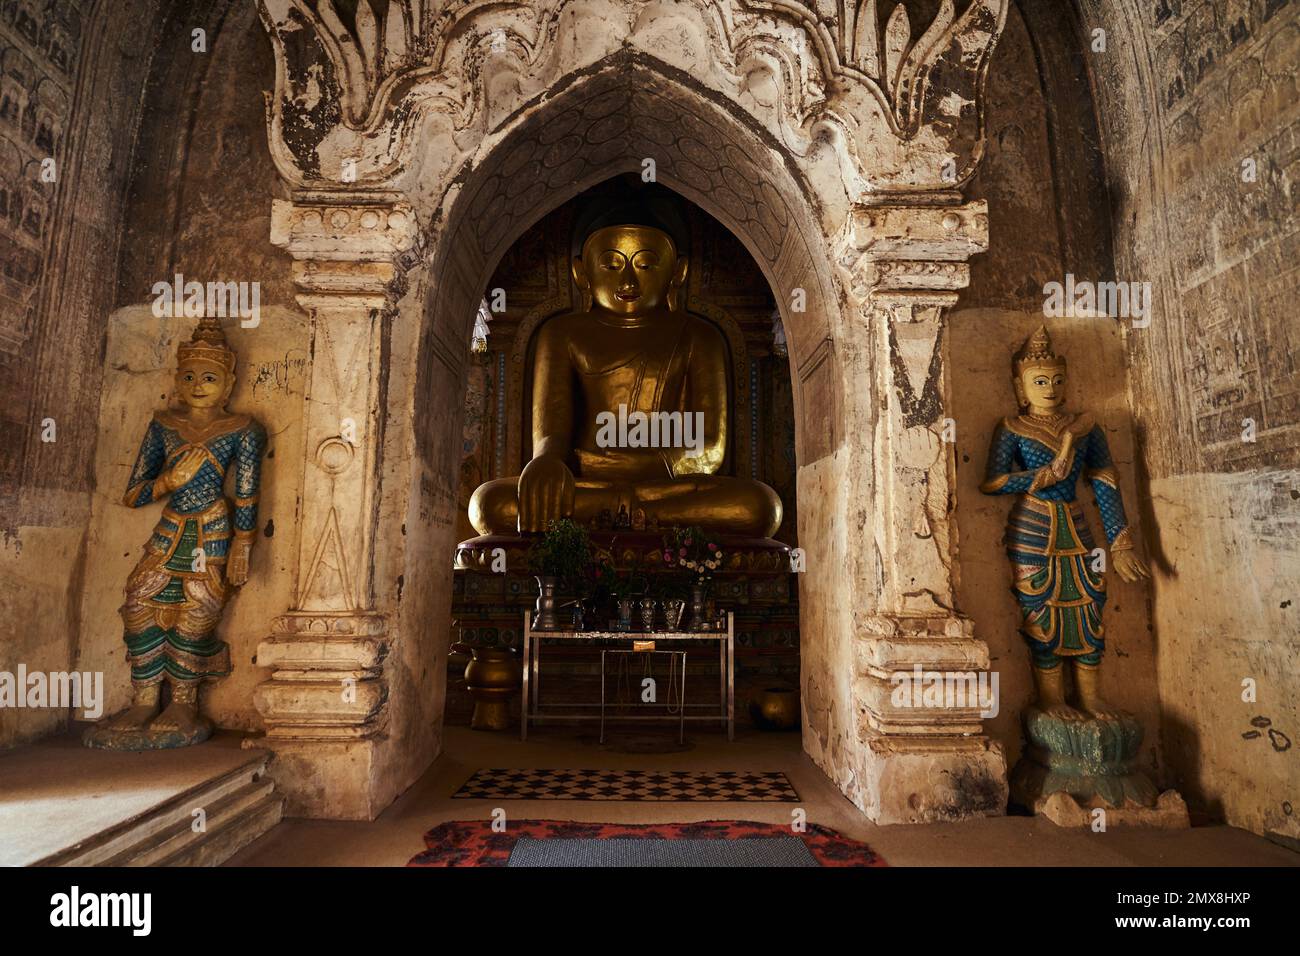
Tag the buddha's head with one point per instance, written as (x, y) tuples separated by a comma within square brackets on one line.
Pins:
[(205, 368), (630, 270), (1039, 375)]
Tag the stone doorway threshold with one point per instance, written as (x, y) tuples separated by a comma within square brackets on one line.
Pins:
[(62, 804), (397, 834)]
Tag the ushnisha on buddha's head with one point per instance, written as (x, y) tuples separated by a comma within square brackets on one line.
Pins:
[(630, 270), (205, 367), (1039, 375)]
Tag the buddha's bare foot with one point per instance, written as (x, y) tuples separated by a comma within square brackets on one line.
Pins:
[(180, 717), (134, 717)]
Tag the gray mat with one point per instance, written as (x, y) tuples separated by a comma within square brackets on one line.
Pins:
[(755, 851)]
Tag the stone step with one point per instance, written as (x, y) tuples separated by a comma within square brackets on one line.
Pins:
[(240, 805), (231, 823)]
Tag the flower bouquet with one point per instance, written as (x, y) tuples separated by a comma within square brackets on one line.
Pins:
[(694, 553), (692, 550)]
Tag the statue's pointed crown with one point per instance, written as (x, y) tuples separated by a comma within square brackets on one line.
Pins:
[(208, 344), (1037, 352)]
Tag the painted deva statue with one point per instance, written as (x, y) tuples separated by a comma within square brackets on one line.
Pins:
[(198, 553), (1038, 456)]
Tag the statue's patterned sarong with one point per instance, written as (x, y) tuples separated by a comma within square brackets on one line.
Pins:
[(1060, 593), (175, 595)]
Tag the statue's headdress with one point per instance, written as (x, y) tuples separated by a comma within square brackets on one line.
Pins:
[(208, 344), (1037, 353)]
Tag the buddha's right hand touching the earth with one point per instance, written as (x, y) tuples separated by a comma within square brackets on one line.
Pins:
[(545, 492)]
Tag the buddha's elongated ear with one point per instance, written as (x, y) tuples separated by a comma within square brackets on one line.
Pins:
[(580, 278), (677, 285)]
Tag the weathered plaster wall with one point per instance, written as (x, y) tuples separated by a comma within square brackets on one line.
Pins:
[(41, 570), (416, 540), (200, 206), (1188, 91), (828, 665), (71, 76)]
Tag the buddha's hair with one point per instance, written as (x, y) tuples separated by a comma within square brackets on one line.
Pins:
[(654, 206)]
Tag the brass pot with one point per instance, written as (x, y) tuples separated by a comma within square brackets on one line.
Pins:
[(492, 677), (775, 708)]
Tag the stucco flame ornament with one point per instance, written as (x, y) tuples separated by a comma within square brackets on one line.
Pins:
[(900, 103)]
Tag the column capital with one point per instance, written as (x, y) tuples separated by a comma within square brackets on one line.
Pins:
[(350, 250), (890, 248)]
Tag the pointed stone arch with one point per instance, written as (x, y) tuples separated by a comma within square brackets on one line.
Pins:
[(727, 167), (418, 148)]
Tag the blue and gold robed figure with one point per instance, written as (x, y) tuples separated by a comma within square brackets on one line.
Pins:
[(1059, 582), (199, 550)]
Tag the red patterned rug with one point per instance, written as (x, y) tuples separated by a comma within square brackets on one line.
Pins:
[(473, 843)]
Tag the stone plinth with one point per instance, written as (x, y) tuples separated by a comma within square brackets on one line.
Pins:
[(1073, 767)]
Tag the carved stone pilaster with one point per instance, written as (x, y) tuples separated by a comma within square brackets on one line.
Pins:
[(905, 264), (327, 696)]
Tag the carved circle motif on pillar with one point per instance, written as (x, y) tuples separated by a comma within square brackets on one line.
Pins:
[(334, 455)]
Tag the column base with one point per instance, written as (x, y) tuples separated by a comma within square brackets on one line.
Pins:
[(924, 690), (326, 714), (932, 779), (332, 780)]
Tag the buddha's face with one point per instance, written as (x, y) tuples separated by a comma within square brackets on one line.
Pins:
[(1042, 387), (202, 384), (629, 270)]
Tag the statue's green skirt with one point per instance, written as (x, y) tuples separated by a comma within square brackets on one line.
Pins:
[(1060, 591), (174, 602), (157, 652)]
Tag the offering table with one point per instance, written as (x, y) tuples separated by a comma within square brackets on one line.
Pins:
[(531, 711)]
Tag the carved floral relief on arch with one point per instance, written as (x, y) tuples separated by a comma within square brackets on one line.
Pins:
[(362, 89)]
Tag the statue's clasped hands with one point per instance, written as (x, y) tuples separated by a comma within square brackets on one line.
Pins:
[(545, 493), (1058, 469), (184, 469), (1064, 460)]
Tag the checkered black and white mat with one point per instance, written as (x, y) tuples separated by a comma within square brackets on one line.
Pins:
[(688, 786)]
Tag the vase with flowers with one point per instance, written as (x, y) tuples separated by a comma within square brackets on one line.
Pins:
[(693, 552), (624, 588), (560, 558)]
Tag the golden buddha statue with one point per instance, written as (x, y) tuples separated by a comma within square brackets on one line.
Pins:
[(632, 356)]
